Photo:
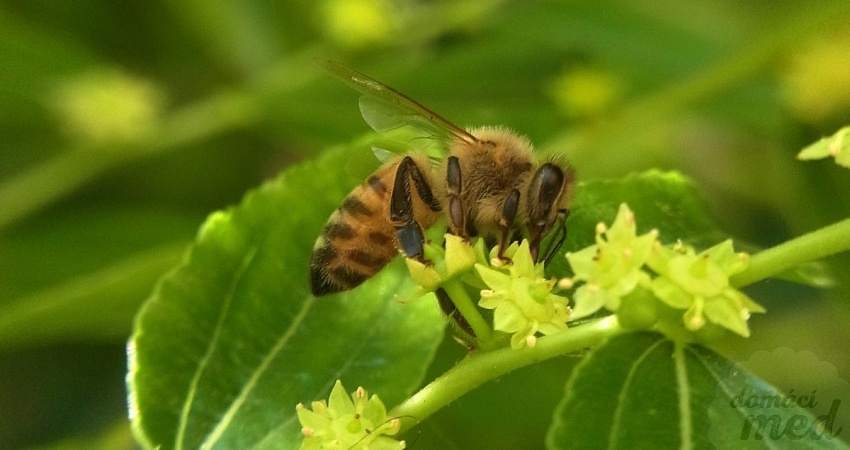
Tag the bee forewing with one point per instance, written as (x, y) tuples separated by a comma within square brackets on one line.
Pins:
[(386, 109), (387, 117), (383, 154)]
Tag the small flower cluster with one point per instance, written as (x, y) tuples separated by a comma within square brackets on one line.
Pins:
[(444, 264), (614, 276), (514, 288), (610, 269), (345, 422), (521, 297), (631, 275)]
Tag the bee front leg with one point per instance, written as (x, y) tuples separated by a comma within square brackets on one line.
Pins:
[(507, 220), (410, 235)]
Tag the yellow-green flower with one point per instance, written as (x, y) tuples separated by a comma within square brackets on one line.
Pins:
[(521, 297), (345, 422), (358, 23), (586, 91), (836, 146), (612, 268), (442, 264), (699, 284), (108, 106)]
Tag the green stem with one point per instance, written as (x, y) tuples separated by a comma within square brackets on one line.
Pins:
[(826, 241), (32, 189), (784, 34), (481, 367), (93, 306), (468, 310)]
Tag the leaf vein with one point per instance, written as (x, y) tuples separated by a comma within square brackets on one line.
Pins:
[(240, 399), (371, 331), (685, 419), (621, 400), (204, 362)]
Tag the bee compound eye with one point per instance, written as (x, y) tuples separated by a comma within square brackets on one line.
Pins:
[(551, 182), (546, 188)]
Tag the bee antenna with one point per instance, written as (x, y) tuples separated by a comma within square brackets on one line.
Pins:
[(559, 239), (418, 430), (368, 432)]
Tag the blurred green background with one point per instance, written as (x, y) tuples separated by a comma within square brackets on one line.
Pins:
[(123, 124)]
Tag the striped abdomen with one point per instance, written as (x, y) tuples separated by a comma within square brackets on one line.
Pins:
[(359, 239)]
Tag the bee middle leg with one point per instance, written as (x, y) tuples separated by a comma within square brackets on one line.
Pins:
[(457, 213), (507, 220), (410, 235)]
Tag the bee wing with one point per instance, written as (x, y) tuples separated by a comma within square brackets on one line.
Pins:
[(385, 109), (383, 155)]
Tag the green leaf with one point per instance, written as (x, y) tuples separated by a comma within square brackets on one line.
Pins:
[(95, 306), (68, 245), (641, 390), (115, 436), (667, 201), (813, 273), (81, 275), (232, 340)]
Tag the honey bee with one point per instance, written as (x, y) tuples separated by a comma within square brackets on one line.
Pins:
[(490, 185)]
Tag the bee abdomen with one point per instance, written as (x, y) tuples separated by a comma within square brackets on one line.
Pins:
[(340, 263), (356, 243), (329, 272)]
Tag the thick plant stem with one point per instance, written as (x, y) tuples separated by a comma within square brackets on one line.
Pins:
[(820, 243), (481, 367), (468, 310)]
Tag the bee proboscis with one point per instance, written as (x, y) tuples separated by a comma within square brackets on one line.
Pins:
[(489, 185)]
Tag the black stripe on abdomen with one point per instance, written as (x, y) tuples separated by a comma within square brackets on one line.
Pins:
[(352, 205)]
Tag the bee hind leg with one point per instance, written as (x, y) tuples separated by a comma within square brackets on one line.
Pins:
[(410, 235), (450, 310)]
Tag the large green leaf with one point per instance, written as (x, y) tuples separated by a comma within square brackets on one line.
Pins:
[(641, 390), (232, 340)]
